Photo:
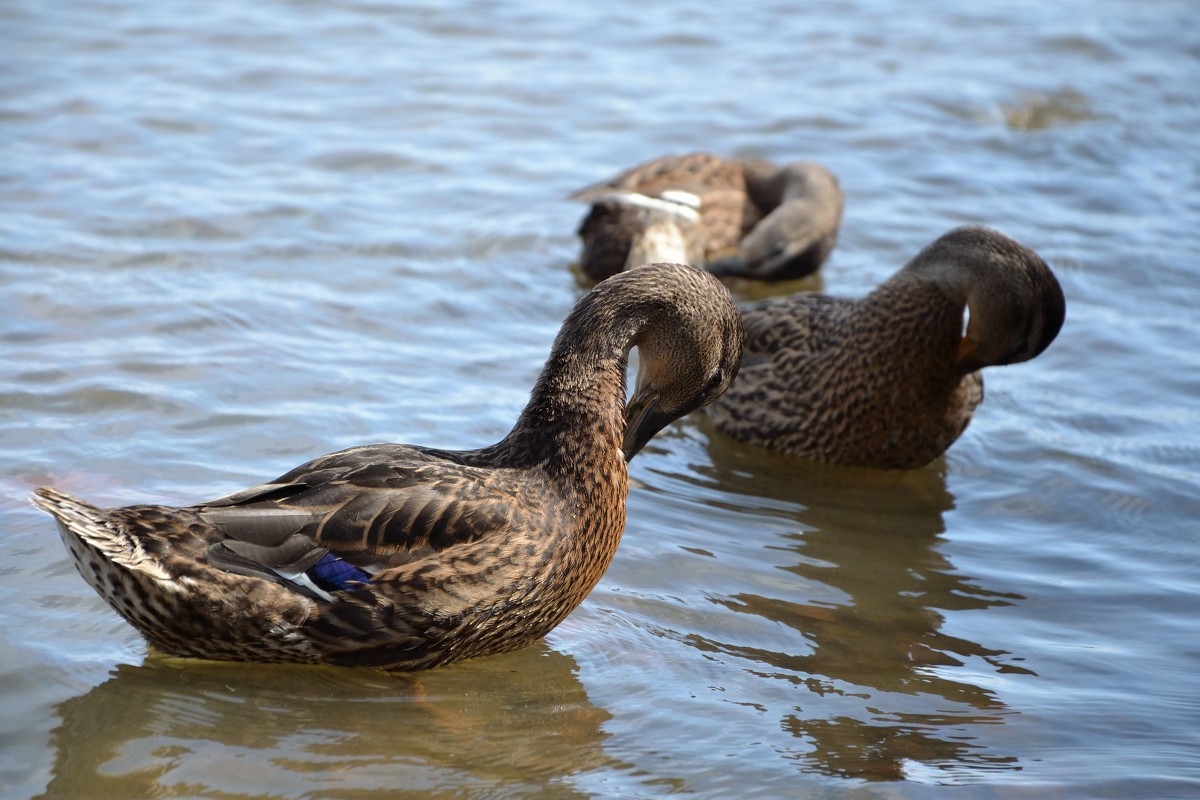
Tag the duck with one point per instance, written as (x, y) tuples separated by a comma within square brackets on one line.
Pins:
[(404, 557), (737, 217), (892, 379)]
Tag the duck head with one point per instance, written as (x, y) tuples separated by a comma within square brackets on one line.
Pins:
[(1014, 304), (686, 357)]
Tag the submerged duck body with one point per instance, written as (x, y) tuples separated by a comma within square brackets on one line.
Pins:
[(407, 557), (770, 222), (891, 380)]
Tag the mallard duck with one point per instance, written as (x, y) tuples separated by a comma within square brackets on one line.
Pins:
[(407, 557), (780, 222), (892, 379)]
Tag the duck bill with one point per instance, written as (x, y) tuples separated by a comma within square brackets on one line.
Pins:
[(728, 267), (967, 359), (643, 418)]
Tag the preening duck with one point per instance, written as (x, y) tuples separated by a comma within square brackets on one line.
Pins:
[(737, 217), (407, 557), (892, 379)]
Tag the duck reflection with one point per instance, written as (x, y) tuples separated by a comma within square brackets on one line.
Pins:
[(884, 674), (518, 722)]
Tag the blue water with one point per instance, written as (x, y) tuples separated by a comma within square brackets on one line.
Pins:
[(237, 236)]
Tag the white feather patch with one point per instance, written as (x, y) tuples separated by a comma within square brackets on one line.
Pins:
[(660, 204)]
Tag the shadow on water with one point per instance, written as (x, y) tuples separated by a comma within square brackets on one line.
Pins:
[(892, 692), (520, 720)]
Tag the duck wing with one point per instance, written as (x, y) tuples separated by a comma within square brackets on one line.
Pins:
[(341, 518)]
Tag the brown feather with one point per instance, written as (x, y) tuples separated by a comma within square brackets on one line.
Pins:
[(878, 382)]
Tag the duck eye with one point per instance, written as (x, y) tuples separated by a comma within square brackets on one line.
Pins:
[(715, 381)]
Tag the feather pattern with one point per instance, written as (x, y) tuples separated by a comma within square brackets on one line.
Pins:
[(891, 380), (407, 557), (755, 219)]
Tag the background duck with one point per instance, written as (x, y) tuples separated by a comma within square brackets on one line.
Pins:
[(408, 557), (891, 380), (740, 216)]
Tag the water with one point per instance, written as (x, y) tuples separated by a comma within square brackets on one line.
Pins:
[(236, 236)]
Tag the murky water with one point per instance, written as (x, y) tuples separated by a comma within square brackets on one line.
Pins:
[(236, 236)]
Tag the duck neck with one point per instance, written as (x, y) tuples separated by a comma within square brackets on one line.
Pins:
[(762, 183), (783, 184), (766, 189), (910, 314), (575, 416)]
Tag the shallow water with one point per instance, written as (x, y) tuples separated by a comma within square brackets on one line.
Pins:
[(237, 236)]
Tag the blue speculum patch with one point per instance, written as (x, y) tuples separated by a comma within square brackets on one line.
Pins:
[(333, 574)]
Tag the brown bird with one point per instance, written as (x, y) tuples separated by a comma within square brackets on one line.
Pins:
[(769, 222), (891, 380), (407, 557)]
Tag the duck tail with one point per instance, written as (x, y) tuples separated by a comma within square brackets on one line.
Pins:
[(81, 523)]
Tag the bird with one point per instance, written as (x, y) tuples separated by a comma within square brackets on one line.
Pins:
[(405, 557), (738, 217), (892, 379)]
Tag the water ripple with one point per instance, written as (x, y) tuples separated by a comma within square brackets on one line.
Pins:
[(241, 235)]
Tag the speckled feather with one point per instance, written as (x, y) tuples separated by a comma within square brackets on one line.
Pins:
[(774, 222), (890, 380), (467, 552)]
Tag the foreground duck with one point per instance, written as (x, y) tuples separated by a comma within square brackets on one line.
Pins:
[(769, 222), (891, 380), (407, 557)]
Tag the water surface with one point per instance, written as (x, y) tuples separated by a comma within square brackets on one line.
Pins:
[(237, 236)]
